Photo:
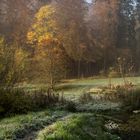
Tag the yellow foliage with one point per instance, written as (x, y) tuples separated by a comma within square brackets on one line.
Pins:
[(43, 31), (31, 36), (43, 35), (19, 56), (46, 12)]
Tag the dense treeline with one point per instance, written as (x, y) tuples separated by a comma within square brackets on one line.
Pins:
[(71, 39)]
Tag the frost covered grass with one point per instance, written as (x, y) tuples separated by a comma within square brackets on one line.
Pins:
[(77, 127), (99, 106), (17, 127)]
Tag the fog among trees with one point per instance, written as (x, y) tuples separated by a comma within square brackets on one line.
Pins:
[(69, 69), (91, 35)]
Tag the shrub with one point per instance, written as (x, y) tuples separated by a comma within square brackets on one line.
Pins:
[(85, 97), (1, 109), (43, 98), (70, 106), (113, 73), (102, 73), (16, 101), (132, 99), (13, 61), (118, 92), (127, 94)]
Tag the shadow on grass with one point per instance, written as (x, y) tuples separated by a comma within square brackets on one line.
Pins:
[(71, 87)]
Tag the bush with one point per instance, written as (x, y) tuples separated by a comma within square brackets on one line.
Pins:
[(13, 61), (102, 73), (113, 74), (16, 101), (86, 97), (127, 94), (132, 99), (70, 106), (1, 109)]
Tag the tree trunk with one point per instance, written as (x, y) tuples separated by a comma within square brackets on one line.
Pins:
[(79, 68)]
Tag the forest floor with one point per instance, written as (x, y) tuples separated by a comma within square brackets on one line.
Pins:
[(96, 120)]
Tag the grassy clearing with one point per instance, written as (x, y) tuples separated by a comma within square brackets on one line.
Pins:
[(70, 84), (20, 125), (77, 127), (72, 89)]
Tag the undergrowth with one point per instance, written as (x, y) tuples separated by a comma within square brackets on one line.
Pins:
[(18, 101)]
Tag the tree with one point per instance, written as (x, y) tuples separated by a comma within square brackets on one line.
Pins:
[(103, 23), (137, 31), (49, 54), (126, 28), (70, 18), (12, 63), (16, 16)]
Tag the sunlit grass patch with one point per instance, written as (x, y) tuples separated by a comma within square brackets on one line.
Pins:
[(20, 125), (77, 127), (72, 89)]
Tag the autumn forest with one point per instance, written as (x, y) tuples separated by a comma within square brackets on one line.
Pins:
[(70, 69)]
